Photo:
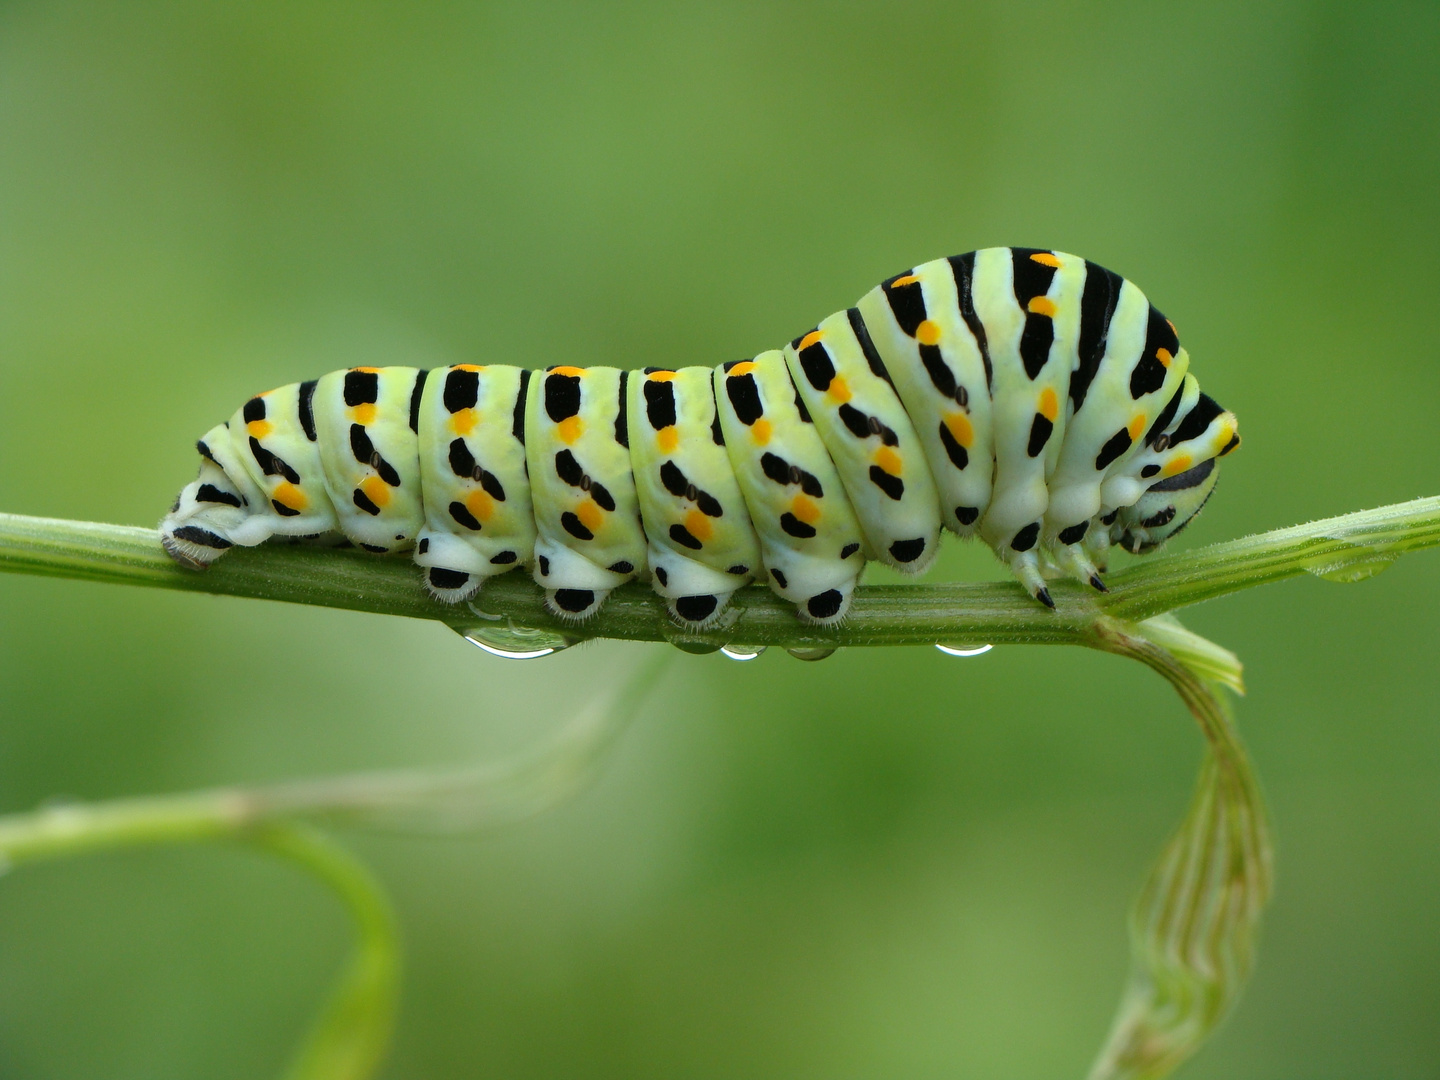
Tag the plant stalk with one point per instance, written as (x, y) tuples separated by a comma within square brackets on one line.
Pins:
[(1342, 548)]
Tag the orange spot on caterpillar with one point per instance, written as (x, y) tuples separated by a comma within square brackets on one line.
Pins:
[(258, 429), (889, 460), (960, 427), (662, 376), (667, 439), (1164, 356), (745, 367), (590, 515), (811, 338), (1046, 258), (376, 490), (839, 390), (479, 503), (570, 429), (287, 494), (1042, 305), (1178, 464), (698, 525), (1137, 426), (367, 370), (464, 421), (805, 508), (575, 371), (468, 367), (903, 279), (761, 431), (1050, 404), (364, 415), (928, 333)]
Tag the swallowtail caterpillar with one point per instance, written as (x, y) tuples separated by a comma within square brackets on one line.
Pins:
[(1028, 397)]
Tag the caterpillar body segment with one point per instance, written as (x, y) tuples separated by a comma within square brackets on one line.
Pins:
[(589, 538), (922, 342), (810, 538), (1028, 308), (701, 543), (368, 454), (864, 426), (1101, 405), (479, 520), (279, 464), (1025, 396), (1129, 368)]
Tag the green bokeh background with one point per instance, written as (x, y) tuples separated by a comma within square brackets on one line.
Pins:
[(890, 864)]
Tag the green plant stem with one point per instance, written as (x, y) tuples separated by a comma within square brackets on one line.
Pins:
[(882, 615), (70, 829), (469, 797), (1194, 924), (349, 1038)]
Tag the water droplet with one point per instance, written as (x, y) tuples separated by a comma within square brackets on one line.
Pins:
[(482, 614), (515, 642), (698, 648), (1359, 557), (743, 652), (819, 653), (1347, 567), (964, 650)]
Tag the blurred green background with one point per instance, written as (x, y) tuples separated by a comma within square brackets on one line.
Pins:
[(890, 864)]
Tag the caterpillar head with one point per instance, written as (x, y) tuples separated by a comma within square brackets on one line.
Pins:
[(1165, 509)]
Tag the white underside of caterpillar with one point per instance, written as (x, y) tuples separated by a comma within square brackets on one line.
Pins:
[(1025, 396)]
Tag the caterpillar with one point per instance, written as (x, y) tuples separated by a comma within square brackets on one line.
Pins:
[(1024, 396)]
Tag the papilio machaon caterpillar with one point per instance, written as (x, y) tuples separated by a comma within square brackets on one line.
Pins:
[(1029, 397)]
